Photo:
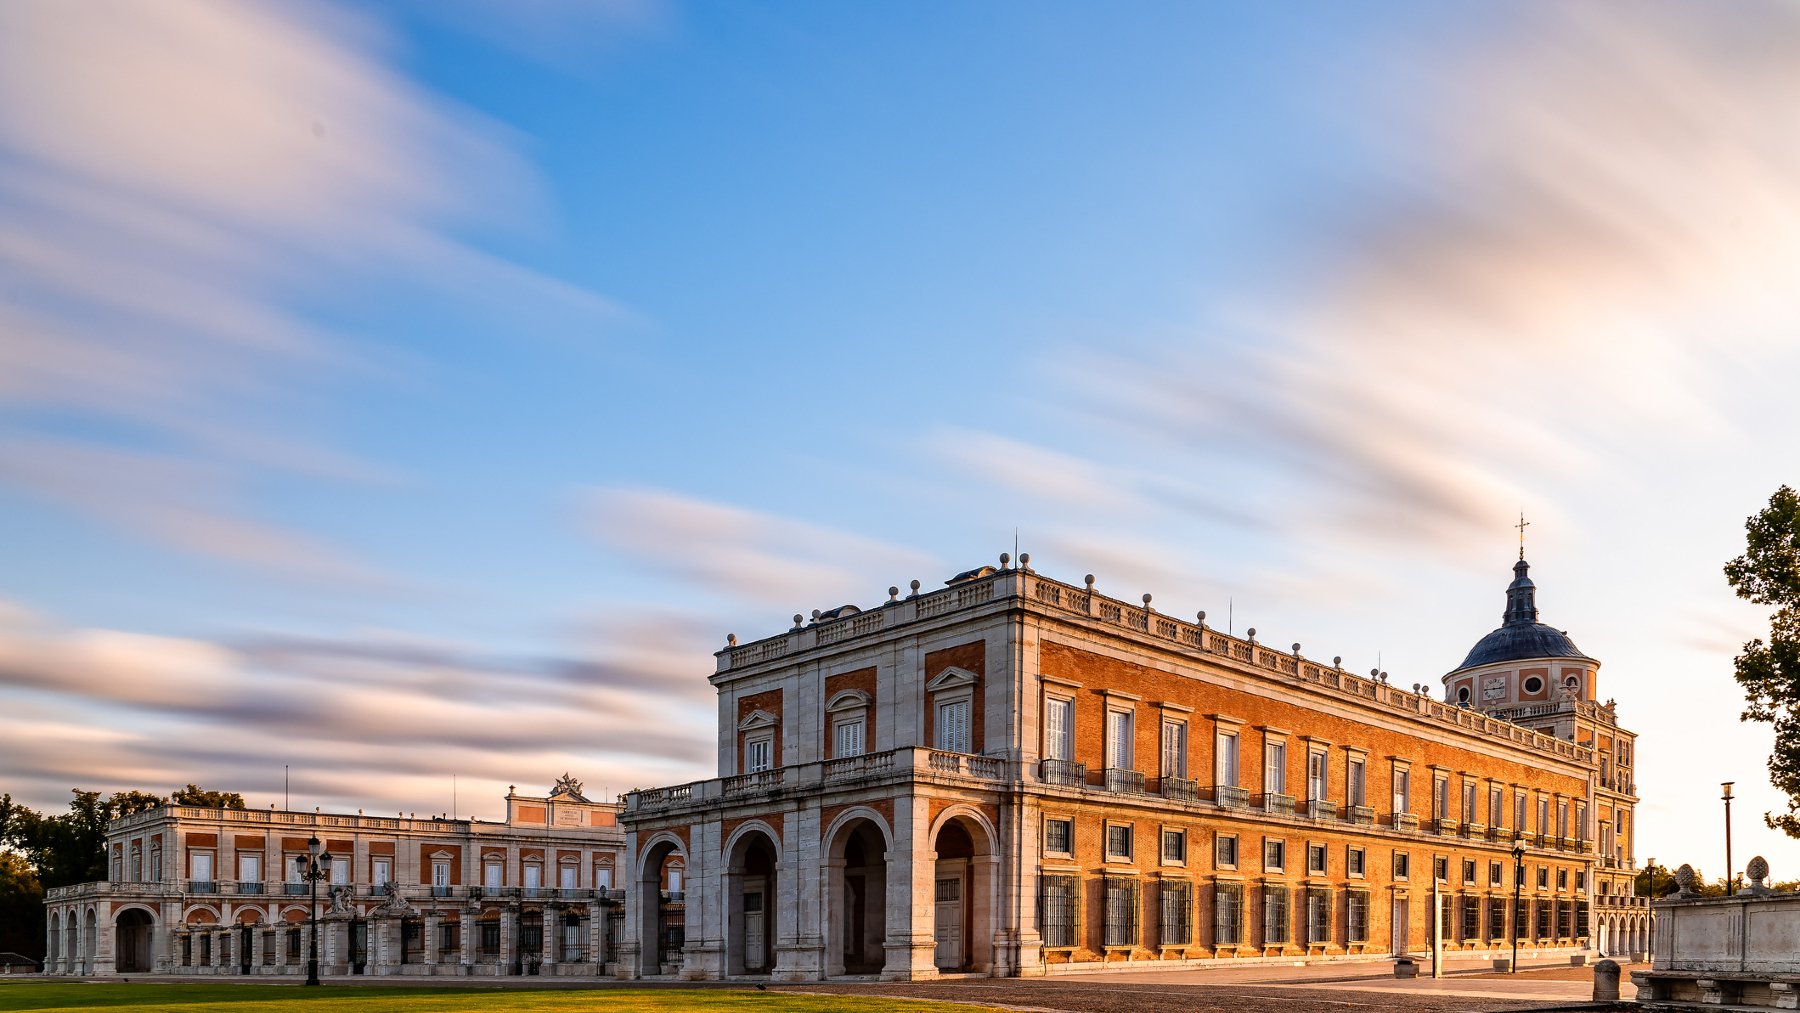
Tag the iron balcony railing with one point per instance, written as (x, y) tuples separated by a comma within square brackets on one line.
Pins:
[(1063, 772)]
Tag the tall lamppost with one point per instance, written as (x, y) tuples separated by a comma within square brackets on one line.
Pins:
[(1518, 850), (1730, 877), (314, 867)]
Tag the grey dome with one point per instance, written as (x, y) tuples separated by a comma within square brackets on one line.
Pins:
[(1517, 643), (1521, 636)]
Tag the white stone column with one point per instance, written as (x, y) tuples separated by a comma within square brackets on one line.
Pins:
[(596, 934), (466, 928), (552, 939), (911, 947), (509, 941), (103, 952), (430, 941), (280, 931)]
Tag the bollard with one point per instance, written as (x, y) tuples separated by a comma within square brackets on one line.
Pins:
[(1502, 965), (1606, 981), (1406, 968)]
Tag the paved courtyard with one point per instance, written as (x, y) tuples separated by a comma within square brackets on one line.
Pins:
[(1362, 988)]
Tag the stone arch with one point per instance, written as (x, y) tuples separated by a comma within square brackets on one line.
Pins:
[(72, 940), (90, 939), (53, 942), (201, 914), (662, 914), (855, 873), (964, 866), (752, 883), (132, 929)]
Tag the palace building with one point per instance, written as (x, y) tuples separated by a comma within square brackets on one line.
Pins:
[(1012, 775), (218, 891)]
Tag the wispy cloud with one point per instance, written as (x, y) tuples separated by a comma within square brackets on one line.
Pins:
[(1576, 227), (360, 721), (177, 181)]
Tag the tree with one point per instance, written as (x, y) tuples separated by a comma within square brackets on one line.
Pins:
[(21, 907), (195, 795), (1768, 573), (128, 803)]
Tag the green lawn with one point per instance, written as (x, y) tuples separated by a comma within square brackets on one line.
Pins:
[(250, 998)]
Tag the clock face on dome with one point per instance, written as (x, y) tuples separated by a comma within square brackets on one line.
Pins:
[(1493, 688)]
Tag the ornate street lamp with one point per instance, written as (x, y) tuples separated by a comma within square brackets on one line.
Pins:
[(1518, 850), (314, 867), (1730, 877)]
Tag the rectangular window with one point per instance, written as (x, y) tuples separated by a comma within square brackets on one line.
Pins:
[(1225, 759), (1119, 753), (1562, 819), (1318, 915), (759, 754), (1468, 808), (1118, 842), (1440, 798), (1402, 865), (340, 872), (1174, 749), (1543, 879), (1356, 916), (1496, 807), (1543, 918), (249, 867), (1468, 876), (1358, 782), (603, 877), (154, 871), (1494, 875), (1440, 869), (1059, 835), (1471, 918), (1315, 859), (1174, 846), (1225, 851), (381, 870), (1446, 922), (1175, 906), (491, 876), (440, 873), (1121, 911), (1275, 768), (1315, 775), (1543, 817), (1228, 914), (1581, 821), (953, 726), (534, 877), (1519, 813), (1562, 879), (848, 738), (1356, 862), (1274, 854), (568, 874), (1059, 728), (1402, 790), (1275, 915), (200, 866), (1496, 918), (1061, 905)]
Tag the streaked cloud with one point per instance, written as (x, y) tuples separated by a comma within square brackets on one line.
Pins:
[(175, 200)]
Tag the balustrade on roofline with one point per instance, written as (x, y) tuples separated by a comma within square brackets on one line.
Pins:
[(1025, 584)]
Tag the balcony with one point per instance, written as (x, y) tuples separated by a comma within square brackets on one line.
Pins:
[(1406, 821), (1275, 803), (909, 763), (443, 891), (1444, 827), (1180, 789), (1473, 830), (1066, 773), (1319, 809), (1230, 796), (756, 780), (202, 886), (1123, 779), (294, 889), (1359, 814), (245, 887)]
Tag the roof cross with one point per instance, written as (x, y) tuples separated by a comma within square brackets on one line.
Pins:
[(1522, 525)]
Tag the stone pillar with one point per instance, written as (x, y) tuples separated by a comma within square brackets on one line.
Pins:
[(430, 947), (280, 932), (103, 952), (911, 947), (384, 933), (509, 937), (466, 927), (221, 951), (552, 939), (1606, 981), (596, 936)]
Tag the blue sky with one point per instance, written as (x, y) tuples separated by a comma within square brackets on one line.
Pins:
[(407, 390)]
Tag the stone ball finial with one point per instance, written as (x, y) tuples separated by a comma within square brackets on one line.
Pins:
[(1296, 647), (1337, 661), (915, 585), (893, 592), (730, 640), (1025, 561), (1090, 581), (1684, 881), (1384, 677), (1252, 632), (798, 619), (1005, 560), (1374, 673), (1200, 617), (1758, 872), (1146, 600)]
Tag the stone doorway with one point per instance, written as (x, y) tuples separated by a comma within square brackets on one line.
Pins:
[(752, 889), (856, 884), (131, 941)]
